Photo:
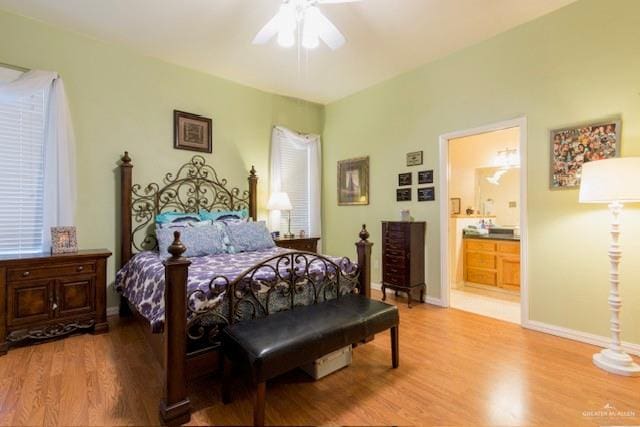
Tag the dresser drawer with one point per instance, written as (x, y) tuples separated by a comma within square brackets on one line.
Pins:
[(480, 260), (479, 245), (509, 248), (394, 279), (394, 245), (53, 271), (397, 236), (393, 259), (394, 226), (392, 268), (482, 277), (399, 253)]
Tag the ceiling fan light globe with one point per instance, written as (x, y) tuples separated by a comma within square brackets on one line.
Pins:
[(286, 39), (287, 19)]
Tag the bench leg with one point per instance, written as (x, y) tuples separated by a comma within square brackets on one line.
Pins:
[(258, 406), (226, 380), (395, 348)]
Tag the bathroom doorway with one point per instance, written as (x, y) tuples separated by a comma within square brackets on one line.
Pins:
[(483, 221)]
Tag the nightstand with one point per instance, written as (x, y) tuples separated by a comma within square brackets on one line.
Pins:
[(305, 244), (45, 296)]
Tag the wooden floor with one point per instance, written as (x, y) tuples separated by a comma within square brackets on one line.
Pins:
[(456, 368)]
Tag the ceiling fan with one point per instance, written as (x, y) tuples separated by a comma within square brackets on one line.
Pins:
[(304, 16)]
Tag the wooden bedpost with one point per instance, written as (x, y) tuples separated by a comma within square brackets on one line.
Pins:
[(364, 262), (175, 405), (253, 194), (125, 208)]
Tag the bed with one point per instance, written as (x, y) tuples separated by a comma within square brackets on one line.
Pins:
[(184, 303)]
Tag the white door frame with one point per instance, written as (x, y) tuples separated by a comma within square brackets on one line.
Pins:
[(520, 122)]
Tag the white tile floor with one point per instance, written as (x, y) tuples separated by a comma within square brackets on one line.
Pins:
[(487, 303)]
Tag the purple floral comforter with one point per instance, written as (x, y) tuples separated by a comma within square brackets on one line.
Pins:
[(141, 280)]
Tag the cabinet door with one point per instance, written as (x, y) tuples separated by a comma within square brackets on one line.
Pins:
[(75, 296), (29, 301), (509, 272)]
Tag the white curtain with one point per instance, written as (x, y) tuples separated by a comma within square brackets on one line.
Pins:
[(310, 143), (59, 146)]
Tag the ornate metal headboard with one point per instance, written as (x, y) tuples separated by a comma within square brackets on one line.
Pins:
[(195, 186)]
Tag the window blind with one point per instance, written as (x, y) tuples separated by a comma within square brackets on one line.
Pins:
[(296, 183), (22, 174)]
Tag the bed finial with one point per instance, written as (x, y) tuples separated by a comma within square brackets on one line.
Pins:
[(252, 172), (364, 234), (126, 160), (176, 249)]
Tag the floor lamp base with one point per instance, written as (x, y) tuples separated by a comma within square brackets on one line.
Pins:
[(616, 363)]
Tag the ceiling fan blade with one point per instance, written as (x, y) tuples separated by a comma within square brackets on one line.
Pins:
[(337, 1), (328, 32), (268, 31)]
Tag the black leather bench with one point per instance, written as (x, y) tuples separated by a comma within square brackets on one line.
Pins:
[(286, 340)]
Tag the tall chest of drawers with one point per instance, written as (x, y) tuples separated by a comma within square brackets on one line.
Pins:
[(403, 258)]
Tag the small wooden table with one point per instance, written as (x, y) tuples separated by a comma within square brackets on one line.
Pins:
[(45, 296), (305, 244)]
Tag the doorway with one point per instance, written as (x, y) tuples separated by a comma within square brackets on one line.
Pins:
[(483, 220)]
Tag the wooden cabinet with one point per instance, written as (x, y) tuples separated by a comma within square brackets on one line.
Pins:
[(492, 263), (304, 244), (47, 296), (403, 258)]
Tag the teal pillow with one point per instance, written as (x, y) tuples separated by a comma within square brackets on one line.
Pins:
[(166, 217), (223, 215)]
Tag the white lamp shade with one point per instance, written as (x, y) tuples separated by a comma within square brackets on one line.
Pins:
[(611, 180), (279, 201)]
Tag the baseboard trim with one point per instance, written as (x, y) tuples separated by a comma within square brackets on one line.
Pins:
[(580, 336), (429, 300), (434, 301), (112, 311)]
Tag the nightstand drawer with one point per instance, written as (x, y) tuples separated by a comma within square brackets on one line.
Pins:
[(17, 274)]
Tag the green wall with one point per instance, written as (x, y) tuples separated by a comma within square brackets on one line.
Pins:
[(121, 100), (580, 63)]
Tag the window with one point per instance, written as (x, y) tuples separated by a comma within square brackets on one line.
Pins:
[(296, 170), (21, 171), (296, 183)]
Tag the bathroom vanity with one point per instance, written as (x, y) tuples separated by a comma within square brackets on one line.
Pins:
[(492, 260)]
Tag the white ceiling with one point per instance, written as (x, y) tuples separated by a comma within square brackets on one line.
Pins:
[(384, 37)]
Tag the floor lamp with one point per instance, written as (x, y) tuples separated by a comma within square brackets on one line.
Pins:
[(613, 181)]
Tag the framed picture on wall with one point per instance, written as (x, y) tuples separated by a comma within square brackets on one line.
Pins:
[(455, 207), (403, 195), (414, 158), (353, 182), (427, 194), (404, 179), (425, 177), (192, 132), (574, 146)]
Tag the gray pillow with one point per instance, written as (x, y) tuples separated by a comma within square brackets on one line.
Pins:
[(200, 241), (248, 236)]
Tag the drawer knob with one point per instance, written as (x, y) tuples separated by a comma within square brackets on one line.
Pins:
[(26, 273), (80, 268)]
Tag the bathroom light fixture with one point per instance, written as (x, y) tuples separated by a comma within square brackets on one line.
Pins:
[(303, 15)]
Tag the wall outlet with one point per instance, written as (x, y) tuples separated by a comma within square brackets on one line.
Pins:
[(513, 204)]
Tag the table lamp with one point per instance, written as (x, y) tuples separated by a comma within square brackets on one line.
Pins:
[(279, 201), (613, 181)]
